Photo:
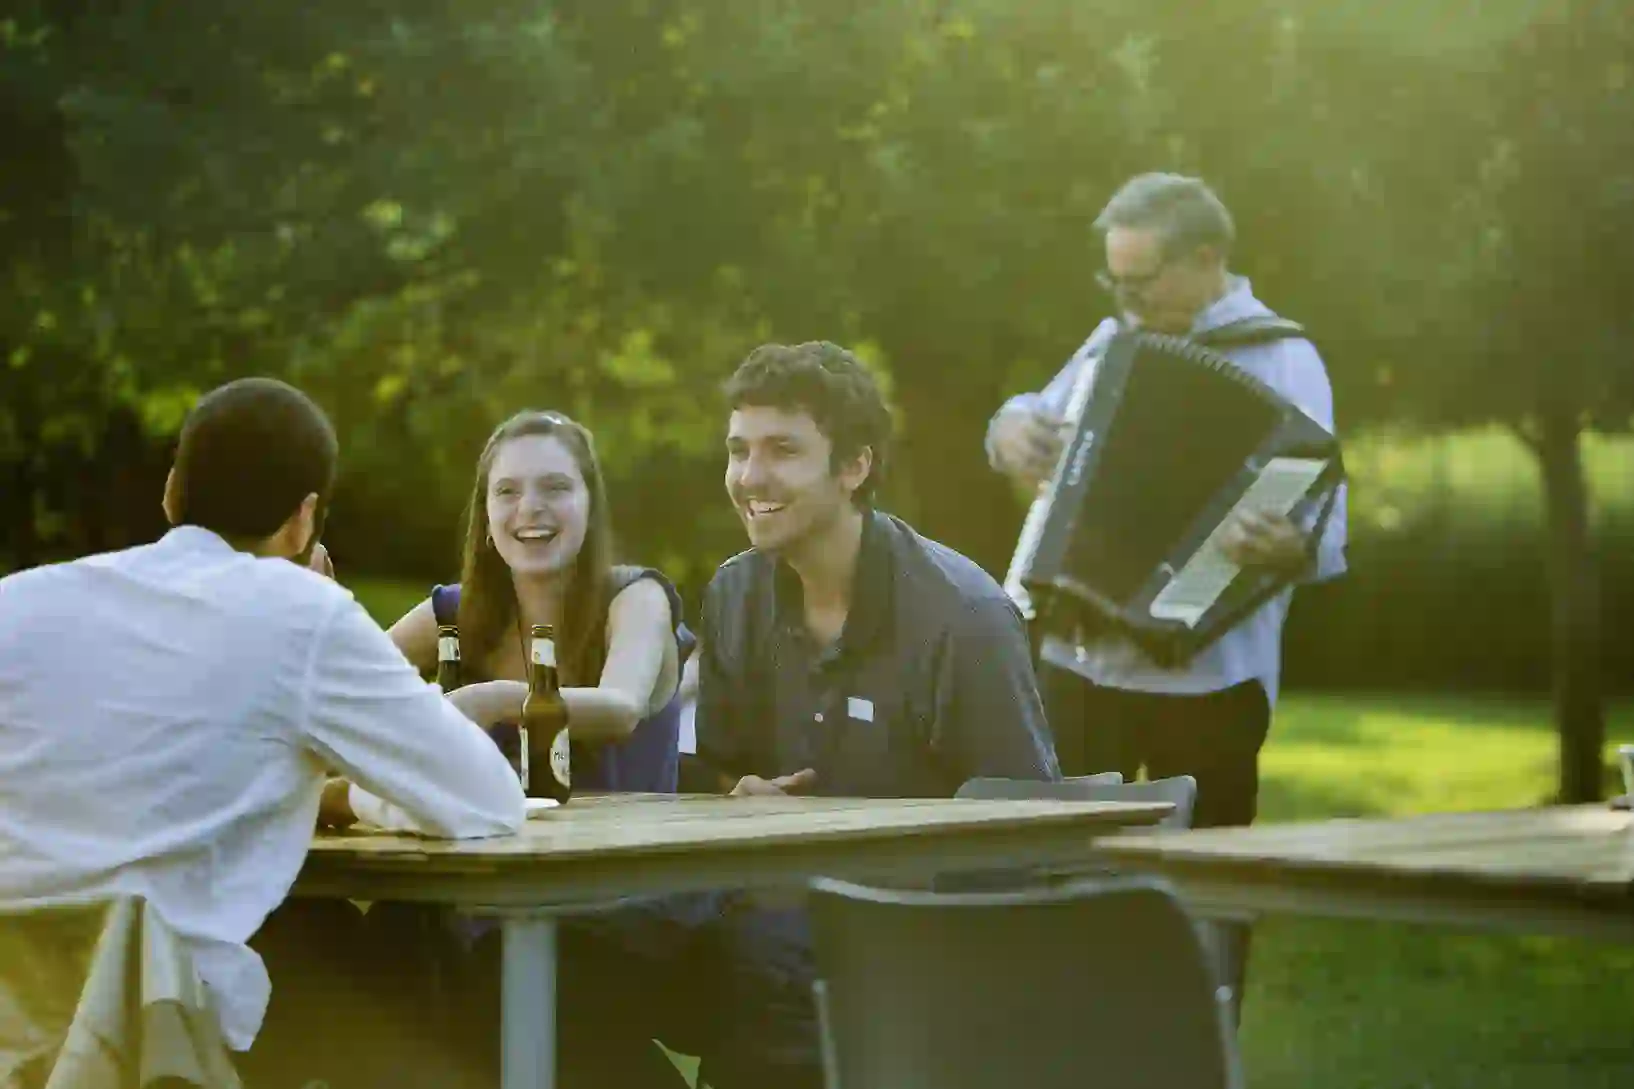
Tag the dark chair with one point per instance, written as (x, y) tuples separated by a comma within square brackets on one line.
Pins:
[(994, 787), (1181, 790), (1095, 984)]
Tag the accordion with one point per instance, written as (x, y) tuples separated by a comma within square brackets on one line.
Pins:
[(1168, 441)]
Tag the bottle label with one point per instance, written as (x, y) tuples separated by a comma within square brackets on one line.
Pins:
[(561, 759), (544, 652), (448, 648)]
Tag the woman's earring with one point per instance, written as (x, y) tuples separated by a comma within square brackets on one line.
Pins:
[(490, 540)]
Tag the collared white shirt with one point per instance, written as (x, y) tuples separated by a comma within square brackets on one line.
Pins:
[(1252, 650), (168, 714)]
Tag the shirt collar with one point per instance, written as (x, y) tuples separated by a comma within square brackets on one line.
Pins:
[(196, 539), (1237, 303), (870, 589)]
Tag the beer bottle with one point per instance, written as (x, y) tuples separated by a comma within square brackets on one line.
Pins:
[(448, 657), (544, 715)]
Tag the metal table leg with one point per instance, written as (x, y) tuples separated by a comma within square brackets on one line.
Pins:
[(528, 1003)]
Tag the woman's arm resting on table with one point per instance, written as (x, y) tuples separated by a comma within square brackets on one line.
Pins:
[(641, 655)]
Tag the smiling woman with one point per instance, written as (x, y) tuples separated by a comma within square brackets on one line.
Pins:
[(538, 550)]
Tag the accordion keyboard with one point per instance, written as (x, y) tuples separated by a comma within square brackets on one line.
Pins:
[(1038, 514), (1032, 531)]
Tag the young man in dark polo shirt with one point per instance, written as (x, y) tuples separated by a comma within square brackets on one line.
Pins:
[(843, 654)]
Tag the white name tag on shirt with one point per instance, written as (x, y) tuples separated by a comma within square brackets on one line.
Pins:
[(860, 709)]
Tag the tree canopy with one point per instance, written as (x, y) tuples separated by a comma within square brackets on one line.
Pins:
[(433, 214)]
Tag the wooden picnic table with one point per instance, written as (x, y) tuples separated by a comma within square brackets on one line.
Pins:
[(1563, 870), (599, 849)]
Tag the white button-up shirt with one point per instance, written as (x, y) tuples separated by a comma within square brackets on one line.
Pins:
[(1252, 650), (167, 718)]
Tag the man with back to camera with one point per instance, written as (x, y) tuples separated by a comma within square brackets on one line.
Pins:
[(843, 654), (170, 714), (1167, 239)]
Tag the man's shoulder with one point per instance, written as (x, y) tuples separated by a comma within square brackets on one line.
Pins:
[(270, 589), (738, 571), (1292, 367), (1104, 330), (294, 582), (1249, 326), (951, 586), (30, 577), (731, 617), (734, 583), (54, 577), (20, 587), (1274, 348), (232, 587), (1095, 344)]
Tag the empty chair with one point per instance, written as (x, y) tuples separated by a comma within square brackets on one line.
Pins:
[(1180, 790), (1221, 938), (102, 994), (1097, 984)]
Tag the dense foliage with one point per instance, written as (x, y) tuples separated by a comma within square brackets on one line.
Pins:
[(432, 214)]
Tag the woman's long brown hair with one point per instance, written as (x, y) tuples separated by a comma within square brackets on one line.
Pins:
[(488, 606)]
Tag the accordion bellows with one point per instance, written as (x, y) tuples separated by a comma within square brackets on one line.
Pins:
[(1168, 439)]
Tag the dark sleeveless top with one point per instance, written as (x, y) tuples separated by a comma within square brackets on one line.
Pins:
[(648, 761)]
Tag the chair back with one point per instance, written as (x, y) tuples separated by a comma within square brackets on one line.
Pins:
[(1094, 984), (102, 994), (1073, 788), (1179, 790)]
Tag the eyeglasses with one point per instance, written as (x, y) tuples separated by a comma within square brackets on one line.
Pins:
[(1130, 285)]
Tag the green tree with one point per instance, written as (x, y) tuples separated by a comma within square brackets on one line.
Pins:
[(1545, 278)]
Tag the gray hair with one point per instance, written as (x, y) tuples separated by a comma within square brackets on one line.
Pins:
[(1183, 210)]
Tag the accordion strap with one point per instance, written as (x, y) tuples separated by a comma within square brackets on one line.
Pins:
[(1262, 329)]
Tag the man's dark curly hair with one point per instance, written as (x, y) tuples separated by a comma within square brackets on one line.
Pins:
[(833, 387)]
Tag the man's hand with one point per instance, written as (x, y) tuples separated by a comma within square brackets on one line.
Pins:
[(1027, 444), (1264, 540), (335, 805), (319, 561), (783, 784), (776, 899)]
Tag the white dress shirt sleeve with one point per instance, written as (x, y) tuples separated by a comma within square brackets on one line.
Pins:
[(416, 763)]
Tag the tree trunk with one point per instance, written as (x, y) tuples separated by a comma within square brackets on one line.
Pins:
[(946, 487), (1574, 608)]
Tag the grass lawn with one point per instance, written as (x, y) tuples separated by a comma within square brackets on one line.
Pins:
[(1355, 1005)]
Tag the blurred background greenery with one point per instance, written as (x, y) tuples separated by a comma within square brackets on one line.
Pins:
[(432, 214)]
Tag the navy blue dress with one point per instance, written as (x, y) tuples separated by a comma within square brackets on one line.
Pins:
[(648, 761)]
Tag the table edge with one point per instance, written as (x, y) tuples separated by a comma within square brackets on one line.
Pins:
[(445, 856)]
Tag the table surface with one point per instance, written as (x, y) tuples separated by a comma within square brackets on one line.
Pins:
[(1584, 854), (598, 849), (615, 826)]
